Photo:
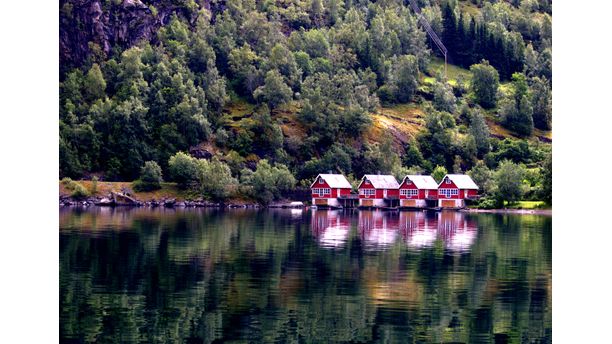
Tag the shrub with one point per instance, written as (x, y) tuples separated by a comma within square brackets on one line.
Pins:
[(268, 182), (183, 169), (78, 190), (94, 185), (150, 177)]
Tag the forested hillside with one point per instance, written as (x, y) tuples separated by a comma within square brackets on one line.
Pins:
[(274, 92)]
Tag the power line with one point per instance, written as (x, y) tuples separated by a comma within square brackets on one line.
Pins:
[(432, 34)]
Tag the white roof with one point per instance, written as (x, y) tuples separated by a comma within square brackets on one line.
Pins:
[(463, 181), (422, 182), (334, 181), (381, 181)]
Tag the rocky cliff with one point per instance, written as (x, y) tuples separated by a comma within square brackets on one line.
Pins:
[(95, 28)]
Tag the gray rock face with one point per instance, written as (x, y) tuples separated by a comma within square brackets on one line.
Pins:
[(85, 24)]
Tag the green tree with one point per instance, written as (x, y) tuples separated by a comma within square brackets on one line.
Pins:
[(546, 192), (509, 184), (483, 177), (485, 81), (268, 182), (150, 177), (274, 91), (438, 173), (403, 78), (95, 85), (183, 170), (444, 99), (516, 109), (480, 132), (215, 179), (541, 98)]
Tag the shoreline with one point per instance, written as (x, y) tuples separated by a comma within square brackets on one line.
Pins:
[(172, 203), (547, 212)]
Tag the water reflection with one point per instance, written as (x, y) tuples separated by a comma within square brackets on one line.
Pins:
[(457, 231), (204, 276), (330, 227), (380, 230)]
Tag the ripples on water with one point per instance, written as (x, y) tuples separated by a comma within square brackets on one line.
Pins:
[(202, 276)]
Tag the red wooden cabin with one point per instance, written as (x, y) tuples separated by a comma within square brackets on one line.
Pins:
[(415, 189), (377, 190), (454, 189), (327, 188)]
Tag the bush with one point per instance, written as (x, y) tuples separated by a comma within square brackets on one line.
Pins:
[(183, 170), (150, 177), (78, 190), (94, 185), (268, 182)]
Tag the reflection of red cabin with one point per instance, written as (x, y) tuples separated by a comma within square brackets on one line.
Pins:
[(327, 188), (375, 189), (378, 229), (458, 231), (330, 227), (454, 189), (415, 189)]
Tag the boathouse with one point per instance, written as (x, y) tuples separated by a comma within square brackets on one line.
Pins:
[(328, 188), (454, 189), (377, 190), (416, 190)]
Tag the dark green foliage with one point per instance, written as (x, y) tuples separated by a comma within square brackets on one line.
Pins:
[(268, 182), (516, 109), (330, 61), (480, 131), (485, 81), (438, 173), (509, 182), (150, 177), (274, 91), (183, 170), (436, 142), (541, 99), (546, 192)]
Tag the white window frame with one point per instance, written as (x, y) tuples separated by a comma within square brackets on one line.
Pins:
[(321, 181), (448, 181), (367, 192), (409, 192)]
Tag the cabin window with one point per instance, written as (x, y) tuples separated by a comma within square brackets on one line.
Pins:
[(408, 182), (448, 192), (367, 182), (321, 191), (448, 181), (409, 192), (320, 180), (367, 192)]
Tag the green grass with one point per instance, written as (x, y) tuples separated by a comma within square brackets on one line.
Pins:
[(436, 66), (526, 205)]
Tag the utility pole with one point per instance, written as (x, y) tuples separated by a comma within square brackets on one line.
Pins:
[(432, 34)]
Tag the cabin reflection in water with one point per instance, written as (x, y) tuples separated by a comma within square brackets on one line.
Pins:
[(378, 229), (457, 231), (419, 229), (330, 227), (381, 230)]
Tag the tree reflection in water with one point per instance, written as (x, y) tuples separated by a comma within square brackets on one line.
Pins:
[(201, 276)]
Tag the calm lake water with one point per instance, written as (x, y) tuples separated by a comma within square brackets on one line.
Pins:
[(203, 276)]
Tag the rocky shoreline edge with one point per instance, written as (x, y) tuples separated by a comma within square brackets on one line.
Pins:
[(123, 200)]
